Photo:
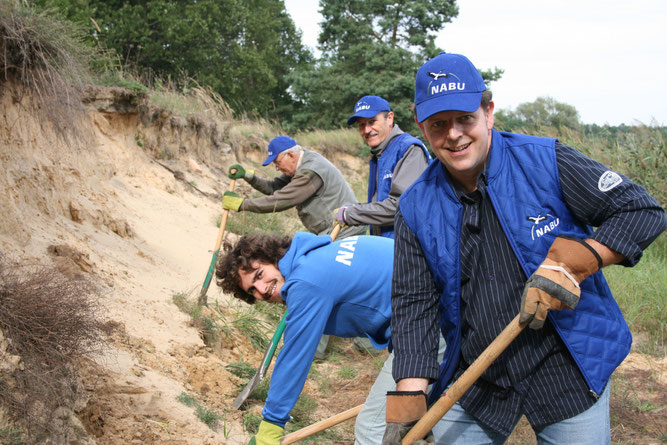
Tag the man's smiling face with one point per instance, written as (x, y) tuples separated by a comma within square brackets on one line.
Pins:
[(374, 130), (263, 281), (461, 141)]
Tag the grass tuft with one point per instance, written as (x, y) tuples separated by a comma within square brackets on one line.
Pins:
[(47, 55), (209, 417)]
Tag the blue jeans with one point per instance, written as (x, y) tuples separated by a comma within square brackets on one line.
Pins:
[(591, 427), (370, 423)]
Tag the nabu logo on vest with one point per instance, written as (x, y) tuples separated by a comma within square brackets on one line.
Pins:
[(542, 224), (444, 86)]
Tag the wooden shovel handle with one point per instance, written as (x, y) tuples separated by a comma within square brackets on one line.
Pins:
[(223, 221), (320, 426), (201, 301), (458, 388), (335, 231)]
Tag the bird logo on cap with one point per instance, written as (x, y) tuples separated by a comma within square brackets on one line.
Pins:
[(437, 76), (443, 86)]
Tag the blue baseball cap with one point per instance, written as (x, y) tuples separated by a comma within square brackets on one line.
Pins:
[(447, 82), (368, 106), (278, 145)]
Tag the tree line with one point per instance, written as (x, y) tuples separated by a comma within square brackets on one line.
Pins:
[(251, 53)]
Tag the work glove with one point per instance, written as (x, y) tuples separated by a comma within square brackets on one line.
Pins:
[(404, 409), (555, 284), (231, 201), (339, 214), (268, 434), (237, 171)]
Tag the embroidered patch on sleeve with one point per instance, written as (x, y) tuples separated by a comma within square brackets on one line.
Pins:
[(609, 180)]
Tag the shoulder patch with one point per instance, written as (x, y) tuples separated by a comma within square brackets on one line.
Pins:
[(609, 180)]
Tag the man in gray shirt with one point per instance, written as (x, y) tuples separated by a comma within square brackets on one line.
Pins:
[(398, 159), (308, 182)]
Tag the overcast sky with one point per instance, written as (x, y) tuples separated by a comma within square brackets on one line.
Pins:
[(606, 58)]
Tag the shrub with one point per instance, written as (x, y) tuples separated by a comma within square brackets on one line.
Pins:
[(49, 323), (45, 54)]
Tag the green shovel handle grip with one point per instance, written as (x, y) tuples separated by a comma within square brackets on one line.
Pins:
[(275, 340)]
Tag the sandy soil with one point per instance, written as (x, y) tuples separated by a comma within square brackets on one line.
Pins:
[(143, 236)]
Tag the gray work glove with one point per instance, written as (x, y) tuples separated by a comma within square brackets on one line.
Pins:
[(404, 409)]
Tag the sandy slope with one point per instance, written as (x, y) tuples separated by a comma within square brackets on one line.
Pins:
[(146, 237)]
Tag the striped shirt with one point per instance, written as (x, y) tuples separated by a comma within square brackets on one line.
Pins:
[(536, 375)]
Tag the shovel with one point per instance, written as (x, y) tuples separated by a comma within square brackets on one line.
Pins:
[(218, 242), (266, 361), (268, 355), (440, 408)]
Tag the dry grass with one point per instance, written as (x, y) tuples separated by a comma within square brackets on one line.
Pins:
[(49, 322), (46, 56)]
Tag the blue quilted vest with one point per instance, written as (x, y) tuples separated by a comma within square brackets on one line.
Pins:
[(382, 170), (524, 188)]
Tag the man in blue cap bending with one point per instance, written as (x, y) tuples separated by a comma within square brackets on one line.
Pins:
[(308, 182), (397, 160)]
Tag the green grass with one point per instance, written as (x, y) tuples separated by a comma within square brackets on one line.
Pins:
[(327, 142), (273, 312), (260, 391), (280, 223), (12, 436), (248, 321), (243, 370), (207, 416), (347, 372), (301, 418), (251, 422), (640, 292)]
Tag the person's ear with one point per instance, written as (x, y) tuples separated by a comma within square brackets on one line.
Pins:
[(421, 127), (489, 116)]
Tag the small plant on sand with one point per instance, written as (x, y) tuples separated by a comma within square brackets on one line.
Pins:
[(241, 369), (244, 223), (12, 436), (216, 321), (251, 422), (209, 417), (347, 372)]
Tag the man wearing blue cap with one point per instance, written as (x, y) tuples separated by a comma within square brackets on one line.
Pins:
[(501, 224), (397, 160), (308, 182)]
